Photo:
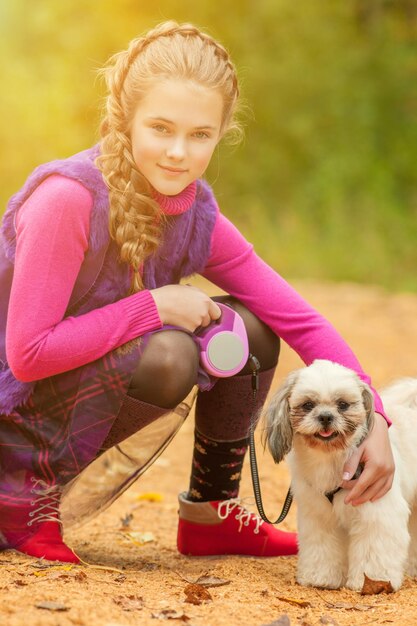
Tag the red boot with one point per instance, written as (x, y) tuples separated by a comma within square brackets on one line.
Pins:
[(30, 523), (226, 527)]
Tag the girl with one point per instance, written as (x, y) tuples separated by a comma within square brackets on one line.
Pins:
[(92, 252)]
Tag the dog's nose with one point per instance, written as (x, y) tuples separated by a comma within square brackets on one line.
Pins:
[(325, 418)]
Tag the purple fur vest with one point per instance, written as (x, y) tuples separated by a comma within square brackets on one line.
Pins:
[(102, 279)]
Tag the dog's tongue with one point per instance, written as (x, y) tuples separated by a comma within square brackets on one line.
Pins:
[(326, 433)]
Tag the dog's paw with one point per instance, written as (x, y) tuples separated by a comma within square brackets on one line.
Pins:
[(355, 583), (324, 581)]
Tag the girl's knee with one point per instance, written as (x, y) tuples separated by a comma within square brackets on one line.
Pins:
[(167, 370), (175, 356), (263, 342)]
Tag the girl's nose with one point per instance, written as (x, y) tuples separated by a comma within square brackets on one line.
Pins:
[(176, 150)]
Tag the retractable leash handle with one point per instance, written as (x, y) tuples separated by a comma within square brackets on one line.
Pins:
[(255, 367), (224, 347)]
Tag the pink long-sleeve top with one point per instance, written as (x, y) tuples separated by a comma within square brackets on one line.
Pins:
[(52, 232)]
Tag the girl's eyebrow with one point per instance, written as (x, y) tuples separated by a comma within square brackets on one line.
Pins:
[(163, 119)]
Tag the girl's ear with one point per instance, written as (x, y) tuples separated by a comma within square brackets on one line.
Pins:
[(278, 430), (368, 403)]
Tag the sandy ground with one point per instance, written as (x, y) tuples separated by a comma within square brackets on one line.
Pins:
[(144, 584)]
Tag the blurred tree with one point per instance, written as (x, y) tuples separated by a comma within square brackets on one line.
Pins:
[(324, 184)]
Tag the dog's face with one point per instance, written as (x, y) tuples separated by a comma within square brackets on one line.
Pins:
[(325, 404)]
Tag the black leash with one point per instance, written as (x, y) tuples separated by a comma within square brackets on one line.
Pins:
[(255, 366)]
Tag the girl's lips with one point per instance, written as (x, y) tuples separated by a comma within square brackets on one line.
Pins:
[(172, 170)]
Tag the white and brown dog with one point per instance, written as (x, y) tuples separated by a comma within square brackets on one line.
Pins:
[(318, 417)]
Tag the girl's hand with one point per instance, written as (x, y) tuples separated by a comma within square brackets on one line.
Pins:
[(376, 455), (185, 306)]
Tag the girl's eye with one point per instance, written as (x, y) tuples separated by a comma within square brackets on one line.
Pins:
[(308, 406), (342, 405), (201, 134), (159, 128)]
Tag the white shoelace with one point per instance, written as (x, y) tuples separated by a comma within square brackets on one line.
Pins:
[(243, 516), (47, 499)]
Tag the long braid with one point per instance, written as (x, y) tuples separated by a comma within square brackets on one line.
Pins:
[(133, 215), (135, 219)]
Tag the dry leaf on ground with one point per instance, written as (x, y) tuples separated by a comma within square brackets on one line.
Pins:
[(327, 619), (347, 606), (301, 603), (284, 620), (52, 606), (211, 581), (139, 539), (129, 603), (171, 614), (197, 594), (371, 587), (151, 496), (125, 521)]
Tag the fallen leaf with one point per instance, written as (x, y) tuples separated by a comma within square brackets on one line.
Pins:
[(129, 603), (171, 614), (150, 496), (371, 587), (284, 620), (52, 606), (347, 606), (211, 581), (139, 539), (150, 567), (80, 576), (327, 619), (120, 578), (40, 564), (125, 521), (301, 603), (57, 575), (196, 594)]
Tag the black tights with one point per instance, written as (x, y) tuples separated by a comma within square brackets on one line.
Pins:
[(166, 374)]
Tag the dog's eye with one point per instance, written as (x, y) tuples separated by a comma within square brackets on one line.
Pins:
[(342, 405), (308, 406)]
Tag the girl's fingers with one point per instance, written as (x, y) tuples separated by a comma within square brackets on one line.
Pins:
[(375, 491), (383, 490), (214, 310), (367, 487), (205, 320)]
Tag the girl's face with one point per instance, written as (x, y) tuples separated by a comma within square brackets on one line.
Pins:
[(175, 129)]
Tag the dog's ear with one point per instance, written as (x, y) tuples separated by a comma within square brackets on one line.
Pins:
[(278, 430), (368, 403)]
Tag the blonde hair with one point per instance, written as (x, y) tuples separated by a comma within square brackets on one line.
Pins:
[(170, 50)]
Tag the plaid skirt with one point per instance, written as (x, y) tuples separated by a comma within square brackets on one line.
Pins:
[(61, 427), (58, 433)]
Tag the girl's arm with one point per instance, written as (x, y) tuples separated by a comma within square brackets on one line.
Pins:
[(234, 267), (52, 230)]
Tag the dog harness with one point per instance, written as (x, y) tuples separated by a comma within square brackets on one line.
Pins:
[(331, 494)]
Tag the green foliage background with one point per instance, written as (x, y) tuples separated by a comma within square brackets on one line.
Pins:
[(324, 183)]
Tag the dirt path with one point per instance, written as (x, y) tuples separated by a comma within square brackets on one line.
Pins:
[(149, 588)]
